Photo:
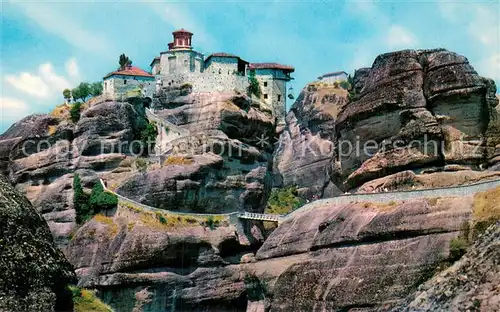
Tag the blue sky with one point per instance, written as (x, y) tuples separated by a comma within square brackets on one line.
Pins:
[(48, 46)]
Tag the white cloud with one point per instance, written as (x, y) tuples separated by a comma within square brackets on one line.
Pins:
[(72, 68), (44, 84), (28, 83), (64, 25), (490, 67), (399, 37), (12, 108)]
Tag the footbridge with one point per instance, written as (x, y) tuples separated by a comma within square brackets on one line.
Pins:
[(260, 216)]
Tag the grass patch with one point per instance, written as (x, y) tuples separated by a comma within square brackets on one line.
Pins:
[(166, 220), (86, 301), (486, 210), (109, 222), (283, 201), (177, 160)]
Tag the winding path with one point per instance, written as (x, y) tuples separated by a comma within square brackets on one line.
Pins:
[(463, 190)]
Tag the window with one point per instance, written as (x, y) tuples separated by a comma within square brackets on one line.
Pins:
[(265, 96), (279, 97), (265, 83), (125, 81)]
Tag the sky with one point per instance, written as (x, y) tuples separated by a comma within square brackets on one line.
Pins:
[(49, 46)]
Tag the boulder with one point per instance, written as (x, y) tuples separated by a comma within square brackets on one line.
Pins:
[(34, 275)]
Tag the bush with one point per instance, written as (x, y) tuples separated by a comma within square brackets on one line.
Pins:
[(253, 87), (86, 301), (75, 112), (99, 199), (141, 164), (161, 218), (345, 85), (458, 247), (211, 223), (282, 201), (80, 201), (147, 133), (86, 206)]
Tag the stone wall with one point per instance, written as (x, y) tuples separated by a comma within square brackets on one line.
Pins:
[(116, 87), (217, 65), (208, 82)]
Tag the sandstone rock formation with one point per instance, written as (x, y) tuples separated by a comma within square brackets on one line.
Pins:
[(471, 284), (48, 150), (418, 110), (34, 275), (306, 147), (323, 257), (431, 97)]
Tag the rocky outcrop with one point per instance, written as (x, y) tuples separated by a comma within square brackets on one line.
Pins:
[(471, 284), (322, 257), (237, 115), (415, 109), (306, 147), (453, 175), (34, 275), (206, 183), (48, 150)]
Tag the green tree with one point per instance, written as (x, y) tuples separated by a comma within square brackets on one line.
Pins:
[(80, 200), (96, 88), (82, 91), (99, 199), (67, 94), (75, 112), (253, 87), (124, 61)]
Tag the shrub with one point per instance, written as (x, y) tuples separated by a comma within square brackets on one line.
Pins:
[(345, 85), (85, 301), (161, 218), (141, 164), (80, 201), (147, 133), (253, 87), (458, 247), (75, 111), (211, 223), (282, 201), (99, 199)]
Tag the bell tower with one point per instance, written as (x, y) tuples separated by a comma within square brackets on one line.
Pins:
[(182, 40)]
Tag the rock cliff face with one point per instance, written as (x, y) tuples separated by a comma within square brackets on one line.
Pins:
[(34, 275), (471, 284), (419, 110), (45, 151), (322, 257), (415, 102), (306, 147)]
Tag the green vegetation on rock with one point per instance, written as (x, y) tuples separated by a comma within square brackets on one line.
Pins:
[(86, 206), (282, 201), (255, 288), (75, 112), (254, 87), (86, 301)]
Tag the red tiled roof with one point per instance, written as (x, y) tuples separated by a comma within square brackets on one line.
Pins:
[(223, 54), (182, 30), (130, 71), (271, 66), (154, 60), (333, 74)]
